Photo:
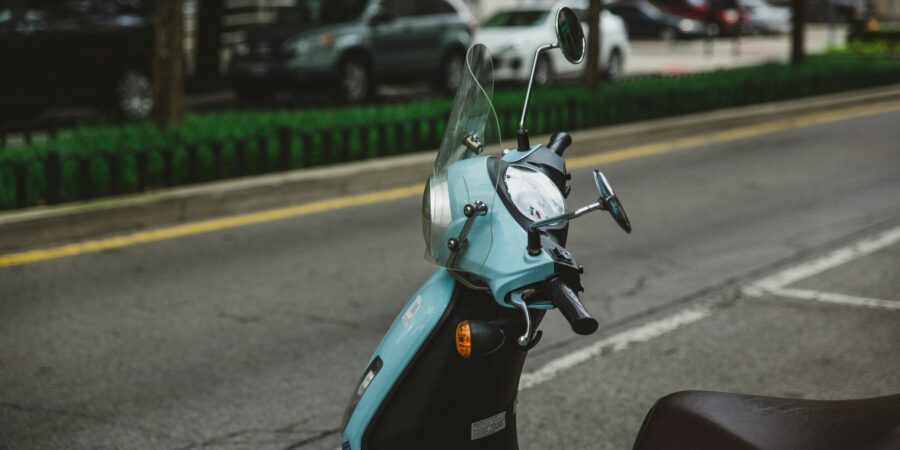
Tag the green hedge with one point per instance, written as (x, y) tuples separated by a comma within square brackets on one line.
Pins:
[(108, 160)]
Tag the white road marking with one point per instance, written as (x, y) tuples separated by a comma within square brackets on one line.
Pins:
[(826, 297), (776, 284), (613, 344)]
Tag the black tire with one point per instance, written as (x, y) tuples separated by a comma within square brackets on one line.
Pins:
[(543, 72), (355, 83), (615, 67), (712, 30), (134, 95), (451, 72)]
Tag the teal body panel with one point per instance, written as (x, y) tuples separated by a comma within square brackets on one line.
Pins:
[(407, 334), (497, 244), (496, 253)]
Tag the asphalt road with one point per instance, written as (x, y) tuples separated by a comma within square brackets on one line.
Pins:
[(252, 338)]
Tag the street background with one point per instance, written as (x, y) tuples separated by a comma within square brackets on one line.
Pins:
[(214, 274)]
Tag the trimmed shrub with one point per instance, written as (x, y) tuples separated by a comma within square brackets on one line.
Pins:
[(98, 161)]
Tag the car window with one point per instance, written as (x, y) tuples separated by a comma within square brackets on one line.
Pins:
[(526, 18), (398, 8), (433, 7), (313, 13), (5, 12)]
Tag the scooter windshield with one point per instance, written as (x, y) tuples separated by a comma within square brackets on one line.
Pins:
[(461, 174)]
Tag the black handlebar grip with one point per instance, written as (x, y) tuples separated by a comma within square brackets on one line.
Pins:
[(559, 142), (566, 300)]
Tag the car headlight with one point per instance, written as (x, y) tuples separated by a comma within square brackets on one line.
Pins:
[(687, 25), (301, 46), (308, 44), (533, 193)]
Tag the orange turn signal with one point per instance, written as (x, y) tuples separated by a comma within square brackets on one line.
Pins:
[(464, 339)]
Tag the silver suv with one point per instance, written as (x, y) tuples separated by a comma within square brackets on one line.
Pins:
[(350, 46)]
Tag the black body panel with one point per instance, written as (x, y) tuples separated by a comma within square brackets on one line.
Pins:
[(440, 395)]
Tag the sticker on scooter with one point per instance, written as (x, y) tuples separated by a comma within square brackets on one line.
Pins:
[(489, 426), (412, 310)]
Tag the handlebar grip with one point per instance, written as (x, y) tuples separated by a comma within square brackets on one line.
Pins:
[(566, 300), (559, 142)]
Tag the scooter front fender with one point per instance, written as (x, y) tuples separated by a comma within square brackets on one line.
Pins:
[(409, 332)]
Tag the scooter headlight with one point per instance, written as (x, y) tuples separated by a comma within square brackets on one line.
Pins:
[(436, 214), (533, 193)]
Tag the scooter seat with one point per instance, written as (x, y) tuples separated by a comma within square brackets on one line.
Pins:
[(698, 420)]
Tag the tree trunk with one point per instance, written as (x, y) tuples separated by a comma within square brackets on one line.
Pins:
[(798, 22), (592, 69), (168, 63)]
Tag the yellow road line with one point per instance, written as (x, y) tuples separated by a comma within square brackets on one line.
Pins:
[(206, 226)]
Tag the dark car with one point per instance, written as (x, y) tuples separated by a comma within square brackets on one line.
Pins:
[(58, 53), (350, 46), (719, 16), (644, 20)]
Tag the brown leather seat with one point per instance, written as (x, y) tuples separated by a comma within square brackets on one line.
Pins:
[(697, 420)]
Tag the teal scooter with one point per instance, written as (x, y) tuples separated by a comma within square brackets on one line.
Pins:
[(446, 374), (496, 221)]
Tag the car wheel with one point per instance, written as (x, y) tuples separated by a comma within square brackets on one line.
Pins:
[(667, 34), (134, 95), (712, 29), (543, 72), (451, 72), (355, 81), (615, 67)]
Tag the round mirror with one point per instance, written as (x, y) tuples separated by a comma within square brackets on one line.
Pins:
[(570, 35), (610, 201)]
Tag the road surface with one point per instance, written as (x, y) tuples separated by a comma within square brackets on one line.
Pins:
[(253, 337)]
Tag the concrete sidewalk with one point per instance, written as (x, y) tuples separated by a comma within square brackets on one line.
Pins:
[(42, 226)]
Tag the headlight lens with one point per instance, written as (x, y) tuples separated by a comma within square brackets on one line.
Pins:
[(436, 214), (533, 193), (426, 212), (301, 46), (687, 25)]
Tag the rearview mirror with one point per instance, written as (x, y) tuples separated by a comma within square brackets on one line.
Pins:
[(609, 201), (569, 35)]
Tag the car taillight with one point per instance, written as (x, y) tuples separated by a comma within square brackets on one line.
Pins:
[(730, 16)]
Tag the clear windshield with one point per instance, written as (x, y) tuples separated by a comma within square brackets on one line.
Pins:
[(472, 130)]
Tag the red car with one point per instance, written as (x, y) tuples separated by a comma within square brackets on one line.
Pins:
[(720, 16)]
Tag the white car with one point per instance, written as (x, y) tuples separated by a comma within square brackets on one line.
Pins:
[(765, 18), (514, 34)]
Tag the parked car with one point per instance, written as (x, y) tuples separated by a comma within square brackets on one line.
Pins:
[(843, 10), (68, 53), (353, 45), (719, 16), (514, 34), (644, 20), (766, 19)]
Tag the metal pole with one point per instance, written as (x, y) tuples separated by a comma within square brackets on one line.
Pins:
[(531, 82), (832, 27)]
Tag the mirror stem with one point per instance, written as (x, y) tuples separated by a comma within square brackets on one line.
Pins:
[(522, 133)]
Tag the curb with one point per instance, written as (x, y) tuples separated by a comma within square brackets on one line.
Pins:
[(42, 226)]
